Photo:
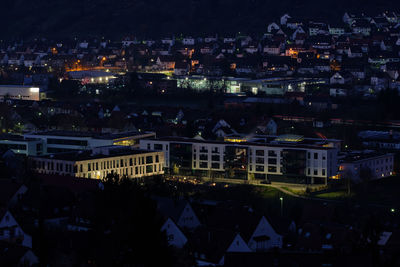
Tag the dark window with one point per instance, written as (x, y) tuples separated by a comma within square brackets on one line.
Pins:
[(271, 169), (203, 165), (272, 161), (53, 141), (272, 153), (157, 159), (260, 160), (315, 172), (259, 152), (149, 159), (315, 155), (215, 165), (158, 147), (215, 158), (39, 147), (149, 168), (130, 162), (203, 150), (259, 168), (203, 157), (215, 150)]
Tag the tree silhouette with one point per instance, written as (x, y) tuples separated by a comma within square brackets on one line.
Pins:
[(126, 227)]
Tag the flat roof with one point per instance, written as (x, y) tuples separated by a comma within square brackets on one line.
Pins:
[(18, 86), (89, 155), (246, 143), (16, 138), (89, 134), (360, 156)]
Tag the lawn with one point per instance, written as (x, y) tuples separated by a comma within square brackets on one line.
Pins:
[(380, 192), (337, 195)]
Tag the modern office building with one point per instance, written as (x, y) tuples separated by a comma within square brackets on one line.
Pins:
[(21, 92), (203, 83), (22, 146), (97, 163), (66, 141), (288, 158)]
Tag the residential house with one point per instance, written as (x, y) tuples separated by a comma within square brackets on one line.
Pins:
[(341, 78), (16, 255), (175, 236), (11, 231)]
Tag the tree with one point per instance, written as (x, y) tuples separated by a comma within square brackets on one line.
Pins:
[(126, 227), (365, 177), (347, 177)]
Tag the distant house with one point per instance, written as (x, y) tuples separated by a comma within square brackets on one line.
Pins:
[(165, 63), (336, 30), (11, 231), (188, 41), (181, 68), (222, 129), (180, 212), (264, 237), (284, 19), (175, 236), (272, 27), (273, 48), (16, 255), (269, 128), (238, 245), (341, 78)]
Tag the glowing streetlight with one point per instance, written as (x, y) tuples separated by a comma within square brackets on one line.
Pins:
[(281, 199)]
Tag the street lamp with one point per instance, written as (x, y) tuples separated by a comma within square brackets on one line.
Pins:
[(281, 199)]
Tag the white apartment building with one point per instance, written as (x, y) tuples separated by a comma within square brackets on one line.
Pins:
[(312, 161), (99, 162)]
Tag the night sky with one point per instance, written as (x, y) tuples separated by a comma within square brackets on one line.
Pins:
[(152, 18)]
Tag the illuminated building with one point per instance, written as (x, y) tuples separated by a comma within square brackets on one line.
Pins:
[(376, 165), (201, 83), (97, 163), (92, 77), (291, 159), (21, 92)]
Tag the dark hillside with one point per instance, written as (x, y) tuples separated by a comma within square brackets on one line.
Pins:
[(61, 18)]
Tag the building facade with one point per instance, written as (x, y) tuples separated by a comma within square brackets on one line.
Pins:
[(98, 163), (67, 141), (22, 146), (373, 165), (296, 161)]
